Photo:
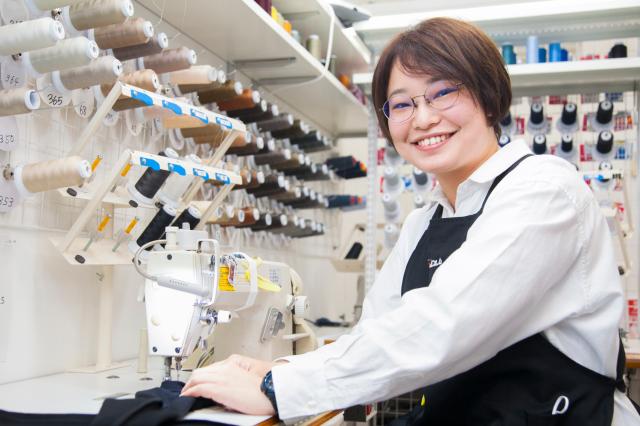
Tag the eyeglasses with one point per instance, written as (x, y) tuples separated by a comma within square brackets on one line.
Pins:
[(439, 96)]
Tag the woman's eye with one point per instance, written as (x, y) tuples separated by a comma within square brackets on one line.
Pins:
[(444, 92), (400, 105)]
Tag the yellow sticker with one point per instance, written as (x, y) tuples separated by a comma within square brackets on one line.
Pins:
[(223, 280), (424, 401)]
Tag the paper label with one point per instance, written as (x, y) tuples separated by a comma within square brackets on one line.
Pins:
[(51, 97), (8, 133), (13, 11), (111, 118), (134, 128), (9, 196), (83, 102), (12, 74)]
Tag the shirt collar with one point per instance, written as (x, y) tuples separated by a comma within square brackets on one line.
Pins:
[(500, 161)]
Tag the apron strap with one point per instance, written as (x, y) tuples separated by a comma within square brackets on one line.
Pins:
[(622, 359)]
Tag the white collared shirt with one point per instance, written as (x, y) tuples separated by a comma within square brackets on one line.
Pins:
[(539, 259)]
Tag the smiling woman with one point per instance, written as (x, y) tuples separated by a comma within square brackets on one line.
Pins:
[(501, 299)]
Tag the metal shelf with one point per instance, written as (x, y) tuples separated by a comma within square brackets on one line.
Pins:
[(241, 32), (559, 78), (568, 20)]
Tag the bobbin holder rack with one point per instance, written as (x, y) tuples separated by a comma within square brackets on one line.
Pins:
[(100, 252)]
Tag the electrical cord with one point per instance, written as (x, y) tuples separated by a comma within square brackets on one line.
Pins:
[(136, 262)]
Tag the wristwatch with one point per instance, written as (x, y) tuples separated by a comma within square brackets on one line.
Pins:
[(267, 388)]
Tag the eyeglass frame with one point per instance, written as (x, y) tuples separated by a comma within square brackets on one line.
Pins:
[(415, 105)]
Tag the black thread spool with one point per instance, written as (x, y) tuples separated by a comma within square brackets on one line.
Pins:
[(605, 142), (242, 114), (151, 180), (354, 251), (504, 140), (283, 121), (536, 116), (299, 129), (420, 177), (354, 172), (539, 144), (190, 215), (156, 228), (312, 137), (604, 113), (341, 163), (569, 114), (566, 143), (262, 223), (619, 50)]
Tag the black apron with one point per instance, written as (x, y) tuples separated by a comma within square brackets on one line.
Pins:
[(529, 383)]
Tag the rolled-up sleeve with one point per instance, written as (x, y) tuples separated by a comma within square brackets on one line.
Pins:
[(484, 298)]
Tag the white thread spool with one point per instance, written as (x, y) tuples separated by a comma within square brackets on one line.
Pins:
[(96, 13), (68, 53), (391, 233), (52, 174), (391, 208), (198, 74), (393, 184), (176, 185), (18, 101), (29, 35)]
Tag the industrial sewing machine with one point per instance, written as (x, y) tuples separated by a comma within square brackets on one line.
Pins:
[(203, 305)]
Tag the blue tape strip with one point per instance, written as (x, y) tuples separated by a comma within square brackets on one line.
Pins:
[(201, 173), (142, 97), (149, 162), (177, 168), (173, 107), (199, 115), (224, 122), (222, 178)]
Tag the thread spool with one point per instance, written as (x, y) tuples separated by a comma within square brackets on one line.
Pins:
[(53, 4), (619, 50), (539, 144), (391, 234), (247, 99), (245, 114), (29, 35), (507, 120), (604, 145), (542, 55), (283, 121), (228, 90), (504, 140), (391, 208), (566, 143), (532, 49), (104, 70), (508, 54), (129, 33), (176, 185), (97, 13), (555, 52), (393, 185), (568, 122), (171, 60), (196, 75), (298, 129), (151, 180), (420, 178), (190, 215), (155, 45), (341, 163), (604, 113), (52, 174), (199, 82), (155, 229), (68, 53), (313, 46), (144, 79), (536, 115), (418, 201), (18, 101)]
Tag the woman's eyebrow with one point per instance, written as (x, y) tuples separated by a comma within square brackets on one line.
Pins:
[(397, 91)]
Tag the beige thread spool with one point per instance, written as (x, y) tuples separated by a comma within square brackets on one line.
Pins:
[(68, 53), (29, 35), (18, 101), (248, 99), (52, 174), (104, 70), (171, 60), (153, 46), (98, 13), (196, 75), (53, 4), (144, 79), (181, 122), (129, 33), (228, 90), (211, 131)]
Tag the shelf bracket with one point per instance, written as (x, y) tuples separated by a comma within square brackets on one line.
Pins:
[(265, 63)]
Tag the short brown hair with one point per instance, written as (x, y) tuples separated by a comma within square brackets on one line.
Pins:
[(448, 49)]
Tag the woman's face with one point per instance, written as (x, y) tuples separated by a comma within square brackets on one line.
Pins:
[(454, 141)]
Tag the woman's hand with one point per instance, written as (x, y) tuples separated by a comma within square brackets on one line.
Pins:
[(234, 383)]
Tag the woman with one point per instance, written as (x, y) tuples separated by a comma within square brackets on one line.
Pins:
[(501, 298)]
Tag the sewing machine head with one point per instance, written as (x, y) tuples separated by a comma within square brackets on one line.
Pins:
[(191, 286)]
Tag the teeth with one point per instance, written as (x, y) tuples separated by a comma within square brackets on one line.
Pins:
[(433, 140)]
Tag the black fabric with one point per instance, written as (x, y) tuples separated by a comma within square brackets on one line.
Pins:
[(161, 406), (528, 383)]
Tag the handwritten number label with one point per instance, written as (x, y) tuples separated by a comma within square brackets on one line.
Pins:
[(12, 74), (53, 98), (83, 102), (2, 300), (6, 201), (8, 196), (8, 133)]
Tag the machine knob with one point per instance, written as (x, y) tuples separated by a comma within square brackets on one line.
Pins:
[(300, 306)]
